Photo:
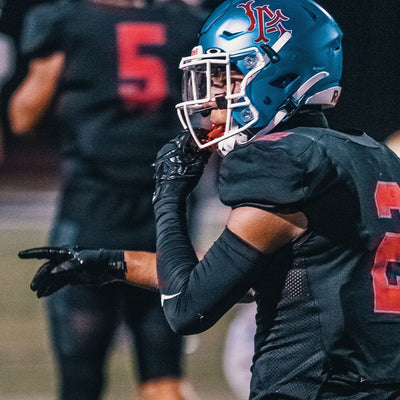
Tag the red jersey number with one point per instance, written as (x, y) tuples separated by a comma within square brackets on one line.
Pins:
[(387, 257), (142, 77)]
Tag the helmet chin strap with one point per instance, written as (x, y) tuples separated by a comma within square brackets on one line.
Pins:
[(292, 103)]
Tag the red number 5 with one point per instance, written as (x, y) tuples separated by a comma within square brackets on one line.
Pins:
[(142, 80), (387, 294)]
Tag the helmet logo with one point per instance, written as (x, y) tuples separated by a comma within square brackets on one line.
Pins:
[(265, 20)]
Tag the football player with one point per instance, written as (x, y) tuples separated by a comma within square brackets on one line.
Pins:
[(314, 225), (104, 72)]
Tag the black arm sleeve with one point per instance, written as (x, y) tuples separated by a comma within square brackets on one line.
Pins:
[(196, 294)]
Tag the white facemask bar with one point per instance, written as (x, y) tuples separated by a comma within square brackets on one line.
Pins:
[(213, 59), (225, 59)]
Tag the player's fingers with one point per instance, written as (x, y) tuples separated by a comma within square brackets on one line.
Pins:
[(42, 287), (43, 252), (50, 287), (53, 283), (48, 284), (52, 277), (41, 275)]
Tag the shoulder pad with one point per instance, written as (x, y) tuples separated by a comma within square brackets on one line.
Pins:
[(42, 25), (279, 171)]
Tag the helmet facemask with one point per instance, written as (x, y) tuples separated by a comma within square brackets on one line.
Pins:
[(215, 106)]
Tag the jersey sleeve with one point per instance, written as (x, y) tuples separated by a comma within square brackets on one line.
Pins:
[(41, 30), (276, 173)]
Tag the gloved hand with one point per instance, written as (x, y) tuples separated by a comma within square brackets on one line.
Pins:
[(72, 265), (178, 168)]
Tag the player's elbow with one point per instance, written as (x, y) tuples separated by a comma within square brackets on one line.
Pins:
[(184, 328), (21, 128), (187, 322), (22, 120)]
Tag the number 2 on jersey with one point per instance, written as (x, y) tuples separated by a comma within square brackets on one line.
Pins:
[(387, 257), (142, 76)]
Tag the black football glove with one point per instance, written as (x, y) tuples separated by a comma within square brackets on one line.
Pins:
[(72, 265), (178, 168)]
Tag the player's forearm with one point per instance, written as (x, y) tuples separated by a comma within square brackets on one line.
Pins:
[(141, 269), (195, 294), (23, 118), (31, 100)]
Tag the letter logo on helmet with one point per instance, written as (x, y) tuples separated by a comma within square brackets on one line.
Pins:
[(264, 19), (256, 64)]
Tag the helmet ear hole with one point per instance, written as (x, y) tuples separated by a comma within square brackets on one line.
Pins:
[(284, 80)]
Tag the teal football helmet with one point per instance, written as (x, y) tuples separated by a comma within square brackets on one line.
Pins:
[(258, 61)]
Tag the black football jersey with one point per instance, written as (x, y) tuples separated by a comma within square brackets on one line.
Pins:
[(121, 81), (330, 301)]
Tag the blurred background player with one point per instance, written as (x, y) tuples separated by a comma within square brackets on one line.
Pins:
[(7, 65), (11, 14), (13, 66), (102, 74)]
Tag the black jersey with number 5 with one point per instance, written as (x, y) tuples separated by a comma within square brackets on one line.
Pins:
[(121, 79), (330, 301)]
